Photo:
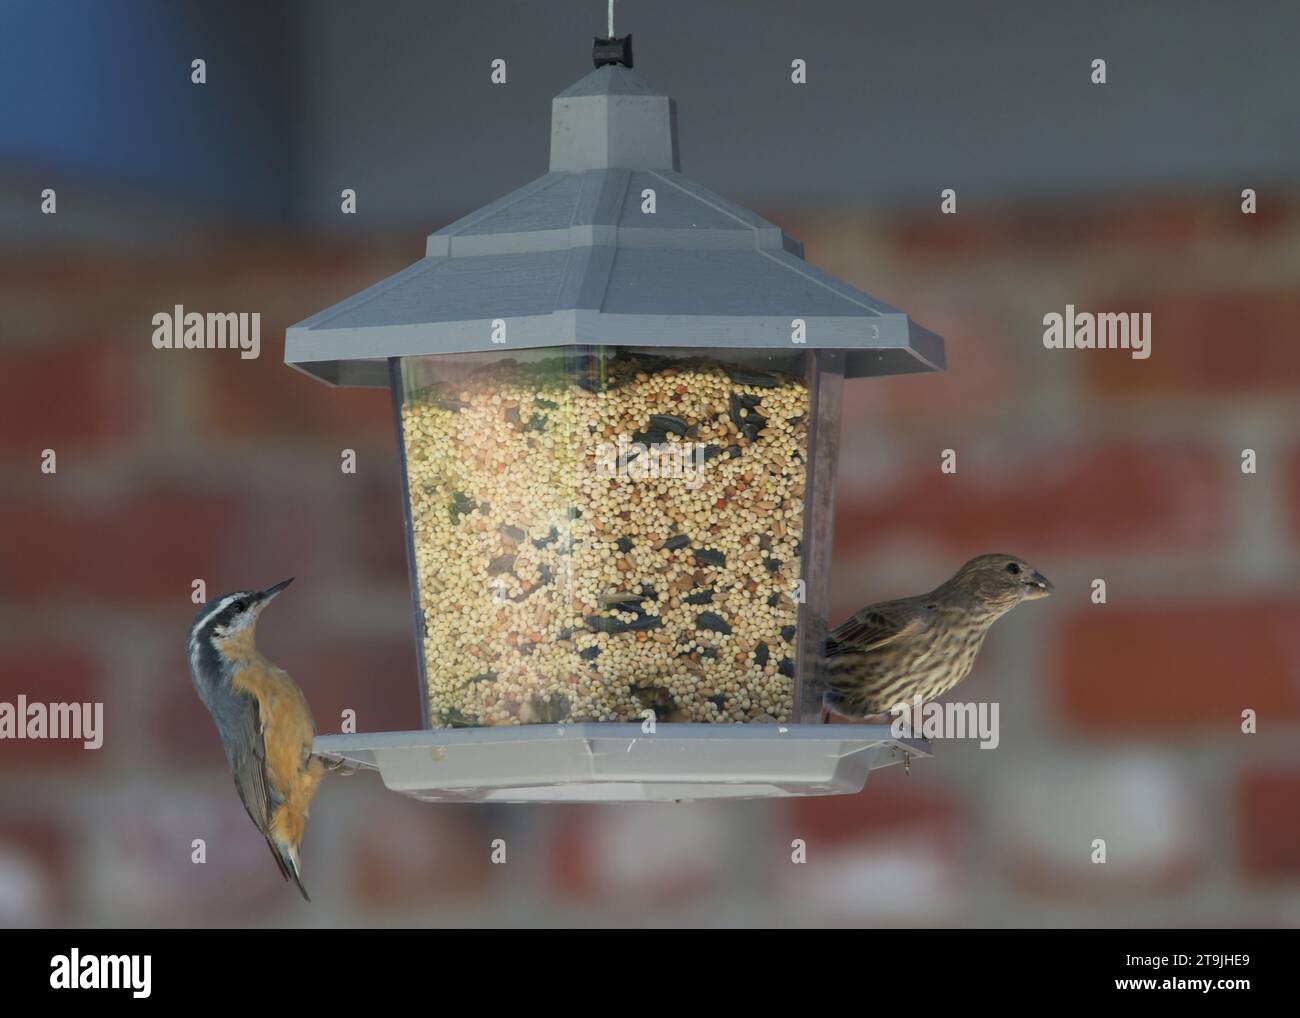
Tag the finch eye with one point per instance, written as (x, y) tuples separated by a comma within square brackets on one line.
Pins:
[(1013, 568)]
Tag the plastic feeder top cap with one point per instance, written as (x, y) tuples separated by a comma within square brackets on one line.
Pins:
[(615, 247)]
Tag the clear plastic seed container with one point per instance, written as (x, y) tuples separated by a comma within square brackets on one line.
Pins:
[(605, 534)]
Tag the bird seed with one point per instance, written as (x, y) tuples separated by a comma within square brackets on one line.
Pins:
[(561, 562)]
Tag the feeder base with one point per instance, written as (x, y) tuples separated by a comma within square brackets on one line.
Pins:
[(621, 763)]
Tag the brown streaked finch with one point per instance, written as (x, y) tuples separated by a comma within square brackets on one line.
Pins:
[(920, 647)]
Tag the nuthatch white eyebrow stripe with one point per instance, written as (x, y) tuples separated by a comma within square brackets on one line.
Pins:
[(262, 717)]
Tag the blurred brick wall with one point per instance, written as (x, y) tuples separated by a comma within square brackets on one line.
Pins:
[(1119, 721)]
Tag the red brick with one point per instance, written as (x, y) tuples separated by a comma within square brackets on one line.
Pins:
[(1130, 668), (891, 854), (648, 857), (52, 676), (253, 400), (884, 807), (1225, 344), (66, 398), (1031, 503), (377, 678), (139, 857), (1047, 818), (1269, 824), (1292, 488), (112, 293), (409, 854), (262, 399), (1137, 221), (35, 852), (378, 533), (85, 391), (151, 544), (982, 381)]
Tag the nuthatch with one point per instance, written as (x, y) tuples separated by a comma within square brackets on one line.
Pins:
[(262, 717)]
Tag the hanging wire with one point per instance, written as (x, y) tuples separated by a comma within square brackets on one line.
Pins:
[(611, 19)]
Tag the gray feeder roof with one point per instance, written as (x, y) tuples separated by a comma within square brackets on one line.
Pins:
[(571, 259)]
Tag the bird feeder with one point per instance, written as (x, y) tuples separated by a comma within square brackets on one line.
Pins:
[(617, 402)]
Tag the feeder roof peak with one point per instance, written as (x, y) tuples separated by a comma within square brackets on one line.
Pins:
[(611, 119)]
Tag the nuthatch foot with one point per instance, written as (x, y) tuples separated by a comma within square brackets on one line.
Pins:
[(262, 717)]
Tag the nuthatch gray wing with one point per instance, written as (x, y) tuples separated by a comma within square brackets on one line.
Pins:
[(262, 717), (922, 646)]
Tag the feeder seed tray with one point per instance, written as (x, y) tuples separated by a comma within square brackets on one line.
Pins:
[(621, 763)]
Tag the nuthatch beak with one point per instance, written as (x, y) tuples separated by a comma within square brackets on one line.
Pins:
[(268, 595)]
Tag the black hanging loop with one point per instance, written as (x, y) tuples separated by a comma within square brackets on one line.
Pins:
[(612, 51)]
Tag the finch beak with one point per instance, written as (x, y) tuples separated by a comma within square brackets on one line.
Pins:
[(270, 593), (1039, 585)]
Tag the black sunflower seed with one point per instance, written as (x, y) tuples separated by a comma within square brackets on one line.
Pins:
[(501, 564), (653, 436), (712, 621), (625, 544), (710, 557), (787, 633), (786, 668), (668, 423), (700, 597), (733, 411), (752, 378), (461, 505), (675, 542), (605, 624), (761, 654)]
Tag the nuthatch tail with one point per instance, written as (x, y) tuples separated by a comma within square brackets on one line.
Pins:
[(262, 717)]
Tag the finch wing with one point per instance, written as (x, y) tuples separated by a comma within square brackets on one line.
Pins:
[(877, 626)]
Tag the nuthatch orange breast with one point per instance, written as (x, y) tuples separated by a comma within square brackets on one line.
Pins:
[(262, 717)]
